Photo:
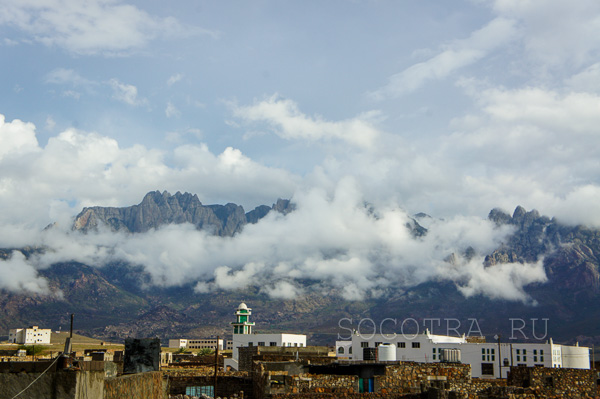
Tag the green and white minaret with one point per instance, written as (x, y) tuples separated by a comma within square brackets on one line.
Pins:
[(242, 325)]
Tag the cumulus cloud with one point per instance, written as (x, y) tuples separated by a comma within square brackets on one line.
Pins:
[(174, 79), (284, 118), (126, 93), (587, 80), (18, 275), (531, 146), (172, 111), (501, 281), (95, 27), (332, 240), (68, 76), (454, 56), (17, 138), (76, 169), (555, 33)]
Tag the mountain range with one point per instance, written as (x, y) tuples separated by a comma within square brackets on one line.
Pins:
[(116, 300)]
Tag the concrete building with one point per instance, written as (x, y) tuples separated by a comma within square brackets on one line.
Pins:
[(29, 336), (203, 343), (243, 336), (487, 360)]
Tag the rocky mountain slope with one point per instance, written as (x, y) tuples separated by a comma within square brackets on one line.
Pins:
[(115, 301), (157, 209)]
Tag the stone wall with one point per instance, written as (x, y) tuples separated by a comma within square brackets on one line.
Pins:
[(136, 386), (413, 377), (312, 354), (555, 382)]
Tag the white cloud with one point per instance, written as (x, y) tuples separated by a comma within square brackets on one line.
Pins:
[(555, 33), (68, 76), (543, 130), (92, 27), (174, 79), (17, 275), (286, 120), (331, 237), (77, 169), (501, 281), (172, 111), (283, 290), (454, 56), (126, 93), (17, 138), (333, 240), (587, 80)]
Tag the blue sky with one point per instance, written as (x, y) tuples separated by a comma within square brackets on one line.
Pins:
[(451, 108)]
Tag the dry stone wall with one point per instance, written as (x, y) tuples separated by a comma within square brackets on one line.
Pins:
[(136, 386)]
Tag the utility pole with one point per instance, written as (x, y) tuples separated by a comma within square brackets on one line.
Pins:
[(511, 355), (499, 357), (216, 367)]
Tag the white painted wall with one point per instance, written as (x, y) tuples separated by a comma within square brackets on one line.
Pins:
[(29, 336), (287, 340), (483, 357)]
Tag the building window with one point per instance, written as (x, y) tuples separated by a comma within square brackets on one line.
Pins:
[(518, 351), (518, 358), (416, 344), (350, 351), (535, 358), (272, 343), (301, 345), (524, 351), (524, 358), (364, 344), (483, 351), (541, 352), (535, 351), (401, 344), (250, 343), (261, 344), (341, 350), (487, 368), (541, 358)]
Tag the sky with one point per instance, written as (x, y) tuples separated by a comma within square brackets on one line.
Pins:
[(447, 108)]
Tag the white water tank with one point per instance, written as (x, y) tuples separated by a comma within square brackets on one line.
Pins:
[(386, 353)]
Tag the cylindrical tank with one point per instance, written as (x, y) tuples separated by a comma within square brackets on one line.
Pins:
[(451, 355), (386, 353)]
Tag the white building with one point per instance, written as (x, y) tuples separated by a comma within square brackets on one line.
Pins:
[(243, 336), (487, 360), (29, 336), (204, 343)]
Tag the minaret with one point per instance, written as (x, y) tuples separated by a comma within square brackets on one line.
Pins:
[(242, 324)]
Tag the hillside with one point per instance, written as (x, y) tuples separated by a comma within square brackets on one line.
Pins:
[(115, 301)]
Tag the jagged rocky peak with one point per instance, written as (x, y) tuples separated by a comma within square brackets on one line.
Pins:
[(284, 206), (520, 217), (157, 209), (499, 217)]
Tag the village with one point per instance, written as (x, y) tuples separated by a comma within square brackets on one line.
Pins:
[(39, 363)]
